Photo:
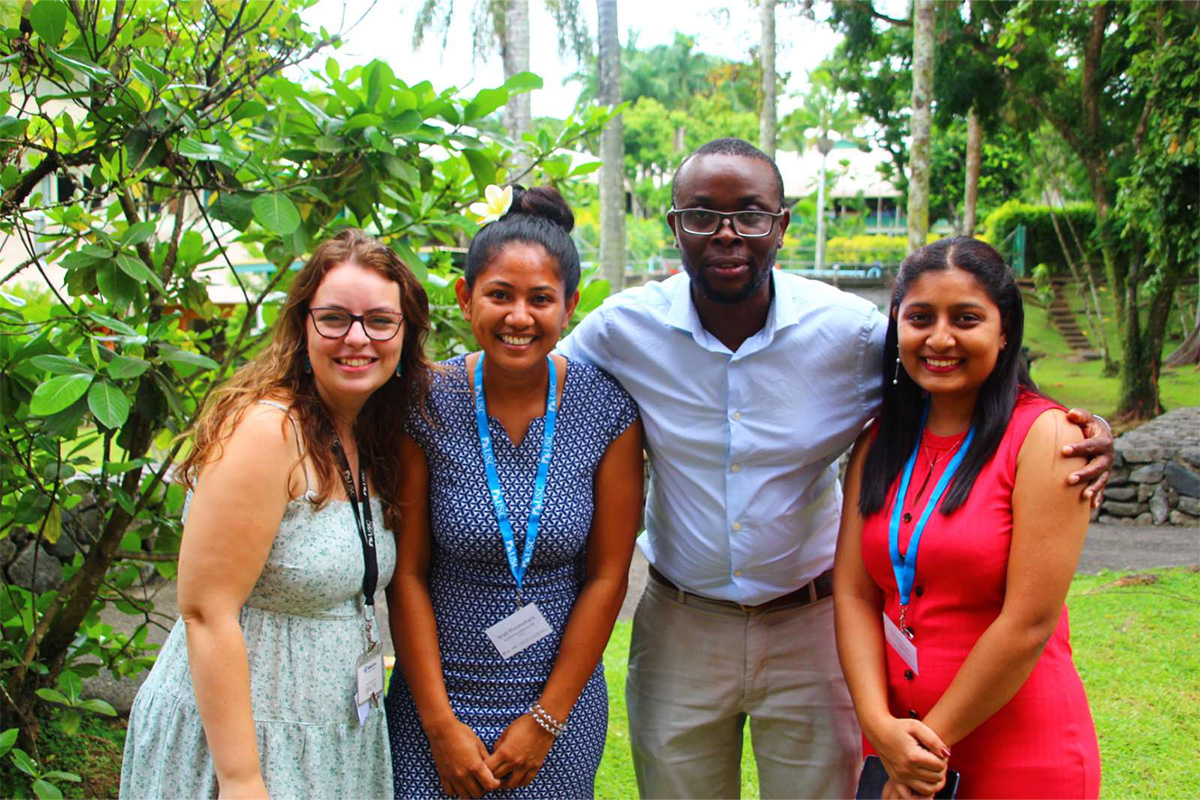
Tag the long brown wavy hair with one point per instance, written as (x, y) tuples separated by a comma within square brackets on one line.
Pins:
[(278, 373)]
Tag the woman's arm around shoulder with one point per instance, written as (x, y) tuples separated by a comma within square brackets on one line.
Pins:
[(522, 748), (234, 515), (911, 753), (1050, 520)]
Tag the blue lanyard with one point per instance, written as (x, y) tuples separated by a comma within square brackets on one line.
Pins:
[(493, 479), (905, 567)]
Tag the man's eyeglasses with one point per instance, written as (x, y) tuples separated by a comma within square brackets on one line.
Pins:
[(334, 323), (703, 222)]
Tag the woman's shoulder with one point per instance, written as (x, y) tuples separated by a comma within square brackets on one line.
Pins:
[(448, 378), (1040, 423), (595, 381)]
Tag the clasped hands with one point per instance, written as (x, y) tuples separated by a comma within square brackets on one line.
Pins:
[(915, 758), (467, 769)]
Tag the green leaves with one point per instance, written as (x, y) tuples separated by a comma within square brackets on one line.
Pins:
[(49, 20), (108, 404), (188, 357), (276, 213), (487, 101), (136, 269), (127, 367), (482, 168), (60, 365), (58, 393), (523, 82), (7, 740)]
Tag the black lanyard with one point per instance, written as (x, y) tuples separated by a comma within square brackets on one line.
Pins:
[(362, 520)]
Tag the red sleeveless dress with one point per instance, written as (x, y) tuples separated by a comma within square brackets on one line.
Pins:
[(1042, 744)]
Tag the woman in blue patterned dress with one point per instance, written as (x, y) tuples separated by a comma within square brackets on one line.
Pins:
[(504, 425)]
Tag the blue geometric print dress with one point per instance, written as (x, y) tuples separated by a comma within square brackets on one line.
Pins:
[(472, 588)]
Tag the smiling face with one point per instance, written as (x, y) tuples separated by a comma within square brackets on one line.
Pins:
[(349, 368), (949, 332), (726, 267), (518, 306)]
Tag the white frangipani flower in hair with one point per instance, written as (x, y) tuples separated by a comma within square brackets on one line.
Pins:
[(495, 205)]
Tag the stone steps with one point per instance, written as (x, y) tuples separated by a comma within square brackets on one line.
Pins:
[(1064, 321)]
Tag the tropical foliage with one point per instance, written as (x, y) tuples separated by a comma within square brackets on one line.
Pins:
[(142, 146)]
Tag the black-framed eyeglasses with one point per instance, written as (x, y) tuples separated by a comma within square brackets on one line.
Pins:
[(705, 222), (334, 323)]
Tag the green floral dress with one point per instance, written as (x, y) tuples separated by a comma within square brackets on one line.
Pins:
[(304, 629)]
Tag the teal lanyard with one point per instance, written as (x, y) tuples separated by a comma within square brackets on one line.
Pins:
[(905, 566), (539, 486)]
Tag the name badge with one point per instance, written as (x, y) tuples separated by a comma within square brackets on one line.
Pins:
[(518, 631), (900, 643), (369, 675)]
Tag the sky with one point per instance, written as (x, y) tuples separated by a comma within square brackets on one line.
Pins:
[(726, 29)]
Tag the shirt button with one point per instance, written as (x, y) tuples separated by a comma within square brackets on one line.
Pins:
[(907, 517), (908, 674), (912, 712), (737, 573), (920, 591), (737, 526), (736, 468), (737, 415)]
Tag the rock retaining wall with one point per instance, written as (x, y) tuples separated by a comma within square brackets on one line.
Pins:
[(1156, 473)]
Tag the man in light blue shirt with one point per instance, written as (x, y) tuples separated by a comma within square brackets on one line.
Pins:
[(751, 383)]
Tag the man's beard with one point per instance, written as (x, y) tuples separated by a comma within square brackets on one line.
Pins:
[(708, 292)]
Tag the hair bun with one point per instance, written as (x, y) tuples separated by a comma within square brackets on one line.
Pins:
[(544, 202)]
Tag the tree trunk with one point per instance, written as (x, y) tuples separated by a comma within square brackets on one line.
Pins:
[(1189, 351), (922, 95), (820, 255), (1142, 346), (518, 115), (612, 150), (974, 153), (766, 116)]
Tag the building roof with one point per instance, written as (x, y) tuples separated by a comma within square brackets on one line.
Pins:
[(860, 174)]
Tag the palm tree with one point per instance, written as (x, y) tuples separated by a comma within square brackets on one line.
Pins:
[(919, 166), (766, 119), (504, 25), (612, 149), (824, 116)]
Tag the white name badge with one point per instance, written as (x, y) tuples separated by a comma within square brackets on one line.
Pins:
[(369, 675), (900, 643), (518, 631)]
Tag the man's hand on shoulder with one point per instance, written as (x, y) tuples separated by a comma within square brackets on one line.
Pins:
[(1097, 447)]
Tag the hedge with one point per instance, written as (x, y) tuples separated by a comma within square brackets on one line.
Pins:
[(1041, 242)]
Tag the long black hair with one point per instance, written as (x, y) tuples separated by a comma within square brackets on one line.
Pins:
[(903, 402), (536, 216)]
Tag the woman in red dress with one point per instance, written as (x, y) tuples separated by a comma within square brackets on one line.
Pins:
[(961, 659)]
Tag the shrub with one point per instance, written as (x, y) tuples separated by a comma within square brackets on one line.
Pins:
[(1041, 242), (866, 249)]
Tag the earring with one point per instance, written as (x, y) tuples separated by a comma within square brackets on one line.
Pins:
[(307, 364), (1003, 343), (399, 368), (896, 374)]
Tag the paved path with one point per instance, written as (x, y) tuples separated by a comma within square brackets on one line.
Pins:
[(1107, 547)]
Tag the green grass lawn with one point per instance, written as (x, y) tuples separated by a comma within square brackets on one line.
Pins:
[(1083, 384), (1137, 648), (1136, 643)]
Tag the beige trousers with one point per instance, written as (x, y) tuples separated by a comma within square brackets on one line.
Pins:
[(698, 669)]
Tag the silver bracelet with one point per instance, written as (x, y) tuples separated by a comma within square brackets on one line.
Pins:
[(542, 717), (1102, 419)]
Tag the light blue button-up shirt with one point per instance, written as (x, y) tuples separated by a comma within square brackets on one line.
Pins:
[(744, 499)]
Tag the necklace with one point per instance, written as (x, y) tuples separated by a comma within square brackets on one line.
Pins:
[(933, 463)]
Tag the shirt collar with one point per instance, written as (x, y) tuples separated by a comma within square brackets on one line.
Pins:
[(784, 311)]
